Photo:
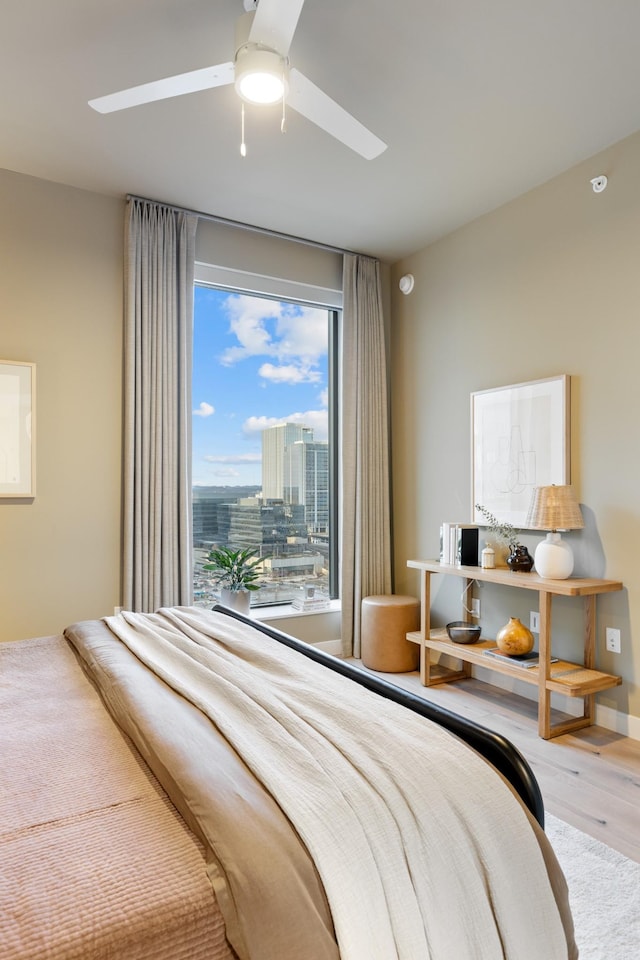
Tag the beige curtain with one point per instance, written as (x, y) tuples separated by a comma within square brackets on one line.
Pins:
[(159, 269), (365, 550)]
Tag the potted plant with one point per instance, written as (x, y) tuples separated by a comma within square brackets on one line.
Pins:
[(519, 558), (237, 572)]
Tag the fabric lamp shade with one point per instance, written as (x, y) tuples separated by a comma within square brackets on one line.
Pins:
[(554, 508)]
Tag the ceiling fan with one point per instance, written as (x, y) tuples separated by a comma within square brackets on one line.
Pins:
[(261, 74)]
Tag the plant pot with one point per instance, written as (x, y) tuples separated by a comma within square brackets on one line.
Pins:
[(238, 600)]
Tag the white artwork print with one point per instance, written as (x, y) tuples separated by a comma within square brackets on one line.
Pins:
[(520, 441), (9, 429), (17, 426)]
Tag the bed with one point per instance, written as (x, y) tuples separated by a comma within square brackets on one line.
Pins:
[(193, 784)]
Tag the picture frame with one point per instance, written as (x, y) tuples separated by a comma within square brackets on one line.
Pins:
[(520, 439), (17, 429)]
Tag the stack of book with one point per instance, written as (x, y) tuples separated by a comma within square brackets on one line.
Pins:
[(525, 660), (310, 603), (459, 544)]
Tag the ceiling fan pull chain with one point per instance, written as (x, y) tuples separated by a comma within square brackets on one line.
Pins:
[(243, 146)]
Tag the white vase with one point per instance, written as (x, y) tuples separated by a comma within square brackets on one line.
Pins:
[(238, 600), (554, 558)]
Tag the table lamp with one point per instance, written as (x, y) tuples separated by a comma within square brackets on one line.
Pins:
[(554, 508)]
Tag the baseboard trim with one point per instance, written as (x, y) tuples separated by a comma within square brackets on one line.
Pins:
[(614, 720), (617, 721), (334, 647)]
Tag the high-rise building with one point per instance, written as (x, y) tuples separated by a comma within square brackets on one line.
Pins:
[(306, 468), (275, 440)]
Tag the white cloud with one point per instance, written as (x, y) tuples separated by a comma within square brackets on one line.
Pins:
[(204, 410), (289, 373), (257, 424), (303, 332), (247, 316), (295, 334), (227, 473), (316, 419), (239, 458)]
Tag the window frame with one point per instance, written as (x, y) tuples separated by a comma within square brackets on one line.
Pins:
[(304, 294)]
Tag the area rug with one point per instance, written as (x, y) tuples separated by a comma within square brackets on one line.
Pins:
[(604, 892)]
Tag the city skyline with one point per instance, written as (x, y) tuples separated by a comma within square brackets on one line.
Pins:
[(256, 363)]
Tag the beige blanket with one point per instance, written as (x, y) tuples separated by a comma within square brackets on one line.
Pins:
[(423, 851), (265, 882)]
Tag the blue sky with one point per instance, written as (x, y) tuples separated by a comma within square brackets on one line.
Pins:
[(256, 363)]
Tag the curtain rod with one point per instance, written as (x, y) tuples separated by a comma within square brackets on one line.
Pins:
[(247, 226)]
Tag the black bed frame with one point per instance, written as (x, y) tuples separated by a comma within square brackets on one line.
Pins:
[(495, 748)]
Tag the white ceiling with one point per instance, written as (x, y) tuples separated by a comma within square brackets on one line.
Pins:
[(478, 101)]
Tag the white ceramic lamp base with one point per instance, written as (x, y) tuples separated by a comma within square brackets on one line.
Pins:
[(553, 558)]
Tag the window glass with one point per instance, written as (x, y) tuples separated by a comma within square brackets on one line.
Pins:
[(262, 451)]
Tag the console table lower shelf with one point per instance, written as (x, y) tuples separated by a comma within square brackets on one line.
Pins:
[(569, 679)]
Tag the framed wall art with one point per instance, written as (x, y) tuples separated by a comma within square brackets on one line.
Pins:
[(519, 440), (17, 429)]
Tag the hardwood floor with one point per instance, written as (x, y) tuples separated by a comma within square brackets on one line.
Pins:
[(590, 778)]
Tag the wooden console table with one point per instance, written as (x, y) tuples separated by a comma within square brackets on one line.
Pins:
[(570, 679)]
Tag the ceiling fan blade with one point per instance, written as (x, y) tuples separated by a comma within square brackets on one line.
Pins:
[(274, 24), (316, 106), (191, 82)]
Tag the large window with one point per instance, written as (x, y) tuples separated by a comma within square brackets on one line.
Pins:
[(264, 435)]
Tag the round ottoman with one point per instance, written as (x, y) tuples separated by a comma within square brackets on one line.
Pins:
[(386, 619)]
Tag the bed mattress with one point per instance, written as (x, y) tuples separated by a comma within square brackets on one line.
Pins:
[(96, 862), (101, 859)]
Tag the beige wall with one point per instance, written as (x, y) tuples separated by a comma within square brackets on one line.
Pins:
[(548, 284), (61, 307)]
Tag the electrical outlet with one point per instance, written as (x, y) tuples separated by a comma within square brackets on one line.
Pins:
[(534, 621), (612, 639), (475, 608)]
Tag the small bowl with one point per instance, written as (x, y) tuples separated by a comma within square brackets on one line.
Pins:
[(461, 632)]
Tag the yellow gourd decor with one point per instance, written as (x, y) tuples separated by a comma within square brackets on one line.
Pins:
[(514, 638)]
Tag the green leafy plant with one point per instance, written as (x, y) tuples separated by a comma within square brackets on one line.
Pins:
[(235, 569), (502, 530)]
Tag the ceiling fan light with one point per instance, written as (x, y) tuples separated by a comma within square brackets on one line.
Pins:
[(261, 88), (261, 75)]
